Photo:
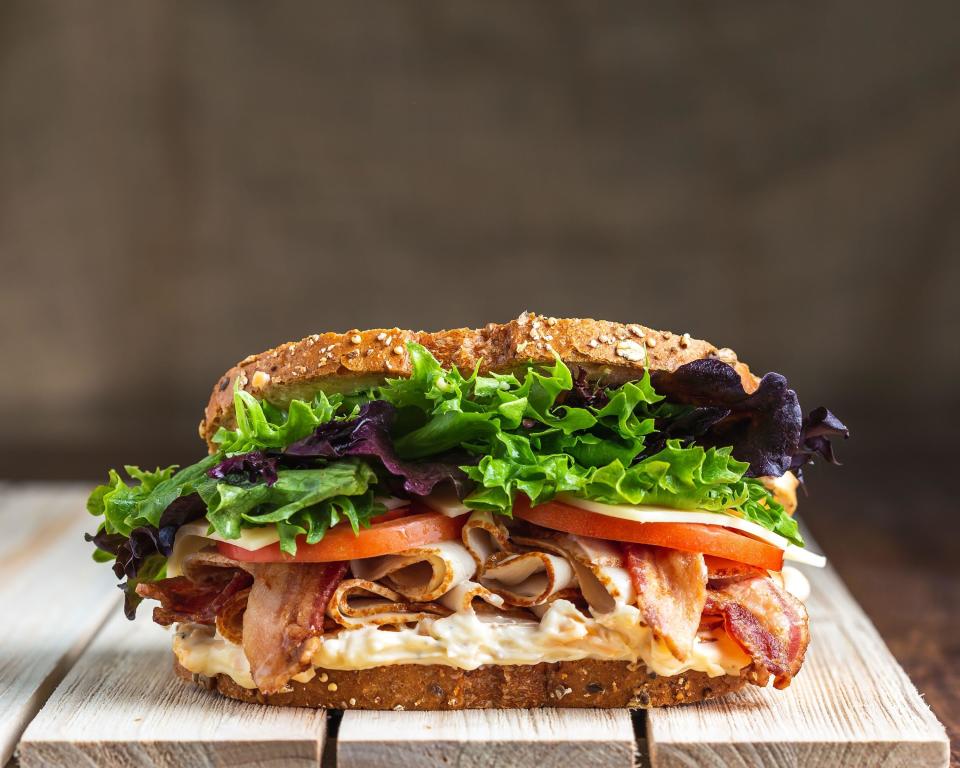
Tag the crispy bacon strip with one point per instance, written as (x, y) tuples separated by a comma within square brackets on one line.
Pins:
[(671, 591), (766, 621), (198, 601), (285, 609), (721, 572), (230, 617)]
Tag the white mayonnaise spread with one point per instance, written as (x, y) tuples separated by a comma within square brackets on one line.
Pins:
[(468, 641)]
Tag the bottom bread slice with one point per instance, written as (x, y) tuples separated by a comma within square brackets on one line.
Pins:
[(585, 683)]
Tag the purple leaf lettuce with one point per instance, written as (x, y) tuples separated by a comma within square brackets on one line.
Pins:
[(766, 428), (368, 435)]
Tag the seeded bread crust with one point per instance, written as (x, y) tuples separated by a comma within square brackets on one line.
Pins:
[(344, 362), (586, 683)]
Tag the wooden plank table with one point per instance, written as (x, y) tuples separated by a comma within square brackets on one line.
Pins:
[(119, 703), (53, 598)]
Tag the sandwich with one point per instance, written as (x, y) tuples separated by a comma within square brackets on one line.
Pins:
[(543, 513)]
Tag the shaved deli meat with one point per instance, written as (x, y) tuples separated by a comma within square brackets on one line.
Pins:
[(572, 595), (671, 592), (598, 565), (528, 578), (468, 595), (360, 603), (285, 609), (766, 621), (485, 535), (184, 599), (422, 574)]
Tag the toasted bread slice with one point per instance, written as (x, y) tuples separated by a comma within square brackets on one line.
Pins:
[(585, 683), (344, 362)]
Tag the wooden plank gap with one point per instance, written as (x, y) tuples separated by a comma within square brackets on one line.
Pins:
[(641, 758), (334, 718)]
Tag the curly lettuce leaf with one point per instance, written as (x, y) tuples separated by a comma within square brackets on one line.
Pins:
[(125, 506), (261, 425), (530, 440), (298, 501)]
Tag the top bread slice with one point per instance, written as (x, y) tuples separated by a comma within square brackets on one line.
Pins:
[(346, 362)]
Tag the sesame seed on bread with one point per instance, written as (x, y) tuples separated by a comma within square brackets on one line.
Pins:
[(345, 362)]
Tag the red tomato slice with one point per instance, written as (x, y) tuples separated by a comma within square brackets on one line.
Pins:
[(689, 537), (394, 531), (391, 514)]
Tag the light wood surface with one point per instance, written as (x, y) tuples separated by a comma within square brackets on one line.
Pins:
[(851, 705), (53, 597), (476, 738), (121, 705)]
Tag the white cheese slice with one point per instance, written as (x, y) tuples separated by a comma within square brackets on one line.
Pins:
[(643, 513), (446, 503), (250, 538)]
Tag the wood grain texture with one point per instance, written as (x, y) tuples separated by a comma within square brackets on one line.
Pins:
[(121, 705), (53, 597), (479, 738), (852, 705), (901, 565)]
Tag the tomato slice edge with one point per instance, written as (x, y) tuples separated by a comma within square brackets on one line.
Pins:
[(395, 534), (689, 537)]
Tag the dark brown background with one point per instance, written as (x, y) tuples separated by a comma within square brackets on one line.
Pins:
[(184, 183)]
